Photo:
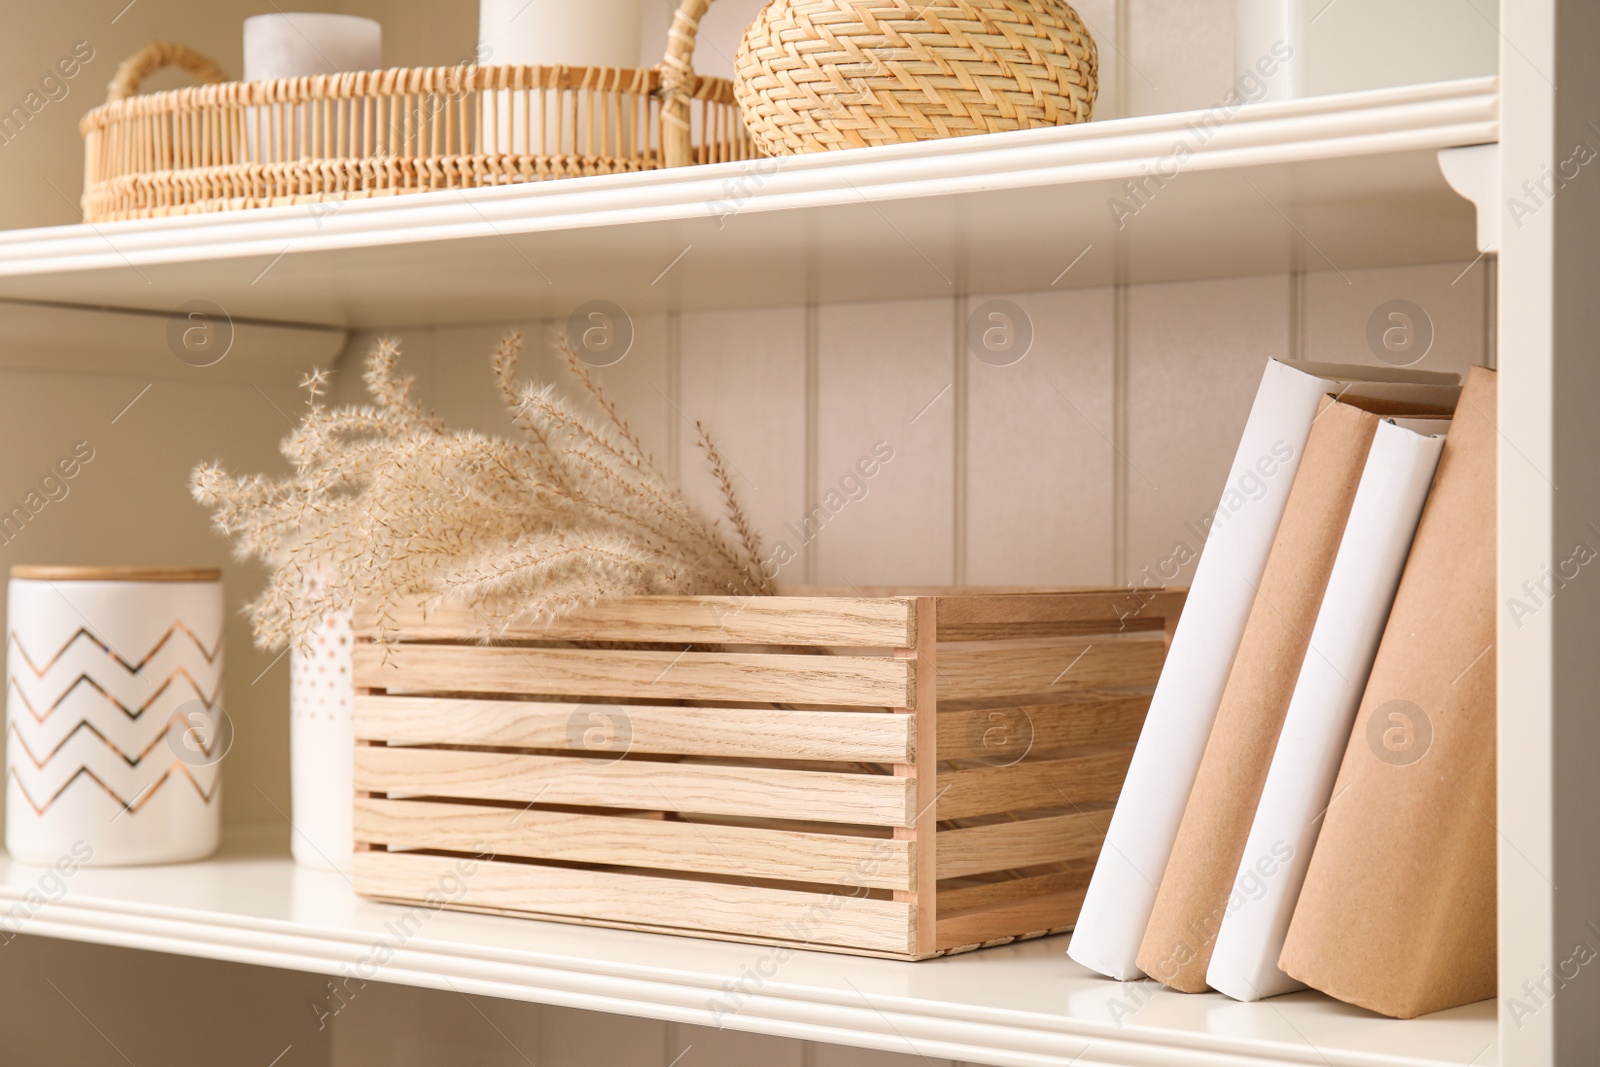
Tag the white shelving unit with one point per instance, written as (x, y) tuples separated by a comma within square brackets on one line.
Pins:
[(1335, 183), (1023, 1005), (1352, 181), (1270, 189)]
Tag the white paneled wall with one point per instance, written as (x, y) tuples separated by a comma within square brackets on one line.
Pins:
[(1093, 459), (1039, 480), (886, 384), (1181, 55), (747, 383)]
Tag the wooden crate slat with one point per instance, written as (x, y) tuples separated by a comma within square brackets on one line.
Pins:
[(1090, 779), (853, 681), (740, 851), (671, 903), (1009, 631), (926, 817), (1111, 606), (956, 899), (855, 799), (966, 672), (948, 591), (1079, 721), (755, 733), (849, 621), (1030, 916), (1011, 845)]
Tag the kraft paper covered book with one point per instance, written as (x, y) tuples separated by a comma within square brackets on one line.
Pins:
[(1361, 588), (1122, 891), (1397, 913), (1199, 884)]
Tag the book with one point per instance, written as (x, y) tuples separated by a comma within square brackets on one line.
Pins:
[(1122, 890), (1299, 785), (1198, 886), (1397, 913)]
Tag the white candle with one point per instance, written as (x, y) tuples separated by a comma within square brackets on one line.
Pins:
[(298, 44), (574, 33)]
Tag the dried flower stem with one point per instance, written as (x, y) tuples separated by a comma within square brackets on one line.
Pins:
[(386, 505)]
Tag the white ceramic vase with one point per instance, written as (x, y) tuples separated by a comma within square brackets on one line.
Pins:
[(322, 746), (115, 728)]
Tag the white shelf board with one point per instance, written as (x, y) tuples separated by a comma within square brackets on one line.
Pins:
[(1023, 1005), (1333, 183)]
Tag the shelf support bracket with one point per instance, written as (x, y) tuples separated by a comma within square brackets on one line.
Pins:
[(1474, 172)]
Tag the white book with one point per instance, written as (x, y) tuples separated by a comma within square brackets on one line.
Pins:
[(1138, 843), (1361, 589)]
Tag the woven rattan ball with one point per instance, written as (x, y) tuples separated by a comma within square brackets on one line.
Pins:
[(824, 74)]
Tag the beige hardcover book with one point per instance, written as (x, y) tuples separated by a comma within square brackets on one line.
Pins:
[(1198, 886), (1398, 909)]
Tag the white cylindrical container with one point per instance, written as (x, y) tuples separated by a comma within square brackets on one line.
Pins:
[(114, 714), (573, 33), (322, 746), (300, 44), (295, 44), (551, 33), (1287, 49)]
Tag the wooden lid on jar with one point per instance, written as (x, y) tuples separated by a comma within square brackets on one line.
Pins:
[(117, 574)]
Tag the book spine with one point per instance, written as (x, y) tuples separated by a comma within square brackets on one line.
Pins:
[(1299, 786), (1122, 890)]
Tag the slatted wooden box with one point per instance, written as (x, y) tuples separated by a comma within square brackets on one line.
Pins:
[(893, 775)]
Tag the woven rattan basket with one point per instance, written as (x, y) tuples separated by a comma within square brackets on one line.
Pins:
[(824, 74), (231, 145)]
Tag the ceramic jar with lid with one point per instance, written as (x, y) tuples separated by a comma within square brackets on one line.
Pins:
[(115, 728)]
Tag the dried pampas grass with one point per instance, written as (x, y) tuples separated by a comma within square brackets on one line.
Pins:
[(386, 504)]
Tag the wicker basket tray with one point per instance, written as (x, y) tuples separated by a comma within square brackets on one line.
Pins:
[(231, 145), (891, 775)]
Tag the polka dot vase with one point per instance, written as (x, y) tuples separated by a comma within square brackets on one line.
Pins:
[(322, 746)]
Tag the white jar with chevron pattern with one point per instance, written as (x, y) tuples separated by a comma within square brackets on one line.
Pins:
[(115, 728)]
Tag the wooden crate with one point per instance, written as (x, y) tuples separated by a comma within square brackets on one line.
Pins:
[(892, 775)]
